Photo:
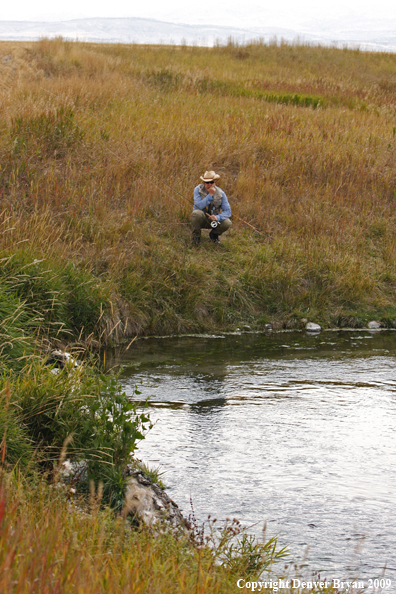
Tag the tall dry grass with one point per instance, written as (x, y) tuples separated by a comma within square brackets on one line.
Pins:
[(49, 545), (304, 139)]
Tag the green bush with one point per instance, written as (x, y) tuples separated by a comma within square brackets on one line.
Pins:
[(109, 436), (163, 79), (88, 412), (229, 88)]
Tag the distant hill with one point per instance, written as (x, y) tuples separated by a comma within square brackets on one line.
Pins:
[(138, 30), (377, 35)]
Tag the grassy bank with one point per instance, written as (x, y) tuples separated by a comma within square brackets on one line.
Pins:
[(100, 146), (49, 545), (97, 246)]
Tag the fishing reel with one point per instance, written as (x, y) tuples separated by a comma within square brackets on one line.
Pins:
[(214, 224)]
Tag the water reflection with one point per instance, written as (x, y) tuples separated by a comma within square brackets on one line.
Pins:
[(296, 430)]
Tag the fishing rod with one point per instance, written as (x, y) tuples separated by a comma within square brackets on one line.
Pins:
[(147, 171)]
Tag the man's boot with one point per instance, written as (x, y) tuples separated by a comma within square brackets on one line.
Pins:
[(214, 237), (196, 238)]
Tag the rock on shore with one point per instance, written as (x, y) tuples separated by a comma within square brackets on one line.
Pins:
[(374, 325), (149, 503), (312, 327)]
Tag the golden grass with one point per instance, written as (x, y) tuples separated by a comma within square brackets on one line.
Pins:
[(304, 139), (49, 545)]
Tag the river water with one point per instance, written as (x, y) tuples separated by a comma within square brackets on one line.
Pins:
[(290, 429)]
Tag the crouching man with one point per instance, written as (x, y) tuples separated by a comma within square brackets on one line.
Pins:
[(211, 209)]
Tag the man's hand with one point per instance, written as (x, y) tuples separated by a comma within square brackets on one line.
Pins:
[(212, 217), (211, 190)]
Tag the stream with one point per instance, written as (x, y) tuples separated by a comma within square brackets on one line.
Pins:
[(293, 430)]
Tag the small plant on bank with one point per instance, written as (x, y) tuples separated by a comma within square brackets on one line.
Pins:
[(154, 474), (15, 446), (234, 548), (248, 556)]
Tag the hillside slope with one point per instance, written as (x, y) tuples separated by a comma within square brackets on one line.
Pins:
[(102, 145)]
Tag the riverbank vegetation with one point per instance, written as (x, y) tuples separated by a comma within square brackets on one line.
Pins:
[(101, 146), (50, 545), (99, 141)]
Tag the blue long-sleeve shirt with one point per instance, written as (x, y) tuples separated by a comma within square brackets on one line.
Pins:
[(201, 203)]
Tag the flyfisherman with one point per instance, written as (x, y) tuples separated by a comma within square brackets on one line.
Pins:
[(211, 209)]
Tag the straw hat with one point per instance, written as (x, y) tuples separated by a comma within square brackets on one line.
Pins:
[(209, 176)]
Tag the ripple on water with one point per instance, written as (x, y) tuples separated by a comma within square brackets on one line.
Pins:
[(298, 433)]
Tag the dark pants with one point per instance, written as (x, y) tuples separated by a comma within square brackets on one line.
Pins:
[(199, 221)]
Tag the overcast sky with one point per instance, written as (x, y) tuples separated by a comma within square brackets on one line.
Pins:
[(285, 13)]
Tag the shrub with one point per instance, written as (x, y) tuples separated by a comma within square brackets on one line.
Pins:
[(88, 412)]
